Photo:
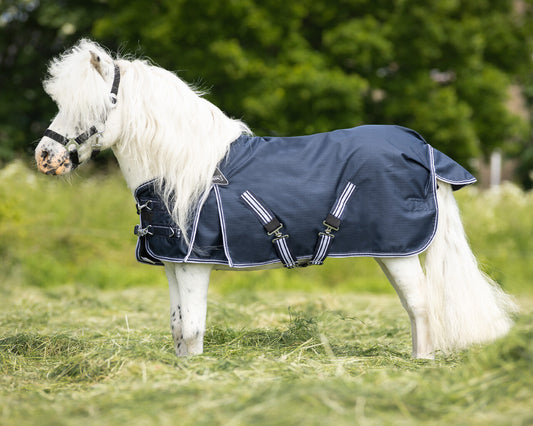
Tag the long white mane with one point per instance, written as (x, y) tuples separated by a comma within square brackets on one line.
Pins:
[(167, 128), (174, 133), (76, 87)]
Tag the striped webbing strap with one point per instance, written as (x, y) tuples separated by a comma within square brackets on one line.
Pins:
[(272, 226), (332, 224)]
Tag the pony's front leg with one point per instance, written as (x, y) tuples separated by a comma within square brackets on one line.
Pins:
[(408, 279), (188, 284)]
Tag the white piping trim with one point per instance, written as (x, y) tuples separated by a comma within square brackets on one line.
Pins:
[(195, 224), (222, 220)]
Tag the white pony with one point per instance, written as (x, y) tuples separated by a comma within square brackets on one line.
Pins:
[(159, 128)]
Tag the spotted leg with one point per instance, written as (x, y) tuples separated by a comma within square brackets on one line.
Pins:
[(188, 285), (408, 279)]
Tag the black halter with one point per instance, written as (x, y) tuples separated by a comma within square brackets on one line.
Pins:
[(72, 144)]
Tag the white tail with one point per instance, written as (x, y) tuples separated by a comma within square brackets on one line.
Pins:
[(465, 305)]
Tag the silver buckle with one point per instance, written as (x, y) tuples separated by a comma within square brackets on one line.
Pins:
[(72, 145), (277, 233), (329, 228), (146, 206), (141, 232), (328, 232)]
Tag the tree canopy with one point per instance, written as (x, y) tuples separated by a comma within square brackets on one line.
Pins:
[(442, 67)]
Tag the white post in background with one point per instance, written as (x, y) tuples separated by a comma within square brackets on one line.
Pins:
[(495, 168)]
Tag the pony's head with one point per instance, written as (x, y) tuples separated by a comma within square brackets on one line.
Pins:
[(159, 127), (83, 82)]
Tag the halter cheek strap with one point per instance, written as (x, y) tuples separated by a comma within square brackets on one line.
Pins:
[(72, 144), (114, 88)]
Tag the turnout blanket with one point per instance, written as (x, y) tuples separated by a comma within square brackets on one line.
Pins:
[(365, 191)]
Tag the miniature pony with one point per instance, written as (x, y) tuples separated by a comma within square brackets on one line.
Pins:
[(163, 132)]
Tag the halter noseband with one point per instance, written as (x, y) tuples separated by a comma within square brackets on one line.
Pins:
[(72, 144)]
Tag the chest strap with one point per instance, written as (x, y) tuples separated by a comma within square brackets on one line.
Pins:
[(332, 224), (272, 227)]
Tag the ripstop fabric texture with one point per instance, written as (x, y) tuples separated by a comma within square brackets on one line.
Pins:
[(381, 181)]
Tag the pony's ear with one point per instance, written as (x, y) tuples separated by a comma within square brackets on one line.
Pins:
[(96, 63)]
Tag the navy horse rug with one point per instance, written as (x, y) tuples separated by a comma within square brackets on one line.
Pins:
[(367, 191)]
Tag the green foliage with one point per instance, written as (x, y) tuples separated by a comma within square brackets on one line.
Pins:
[(54, 232), (499, 224), (31, 33), (440, 67)]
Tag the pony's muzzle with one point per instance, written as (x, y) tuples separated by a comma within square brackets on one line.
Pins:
[(53, 159)]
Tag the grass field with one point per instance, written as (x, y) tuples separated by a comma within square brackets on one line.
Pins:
[(84, 334)]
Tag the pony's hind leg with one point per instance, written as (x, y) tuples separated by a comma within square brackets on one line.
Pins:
[(408, 279), (188, 306)]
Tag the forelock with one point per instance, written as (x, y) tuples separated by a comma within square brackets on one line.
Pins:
[(73, 83)]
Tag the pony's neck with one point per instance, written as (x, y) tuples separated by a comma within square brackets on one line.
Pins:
[(134, 173), (170, 133)]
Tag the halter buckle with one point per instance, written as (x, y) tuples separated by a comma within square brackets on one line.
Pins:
[(72, 145)]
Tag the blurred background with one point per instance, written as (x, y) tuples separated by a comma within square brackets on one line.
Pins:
[(458, 71), (83, 326)]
